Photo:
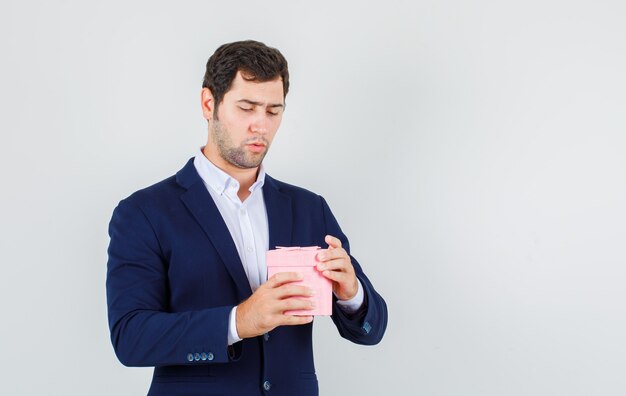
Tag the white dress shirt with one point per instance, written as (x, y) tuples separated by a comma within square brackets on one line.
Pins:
[(248, 226)]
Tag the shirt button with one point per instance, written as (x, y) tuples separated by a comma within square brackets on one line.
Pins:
[(267, 385), (249, 248), (243, 211), (210, 356), (266, 336)]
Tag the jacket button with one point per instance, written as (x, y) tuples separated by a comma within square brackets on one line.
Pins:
[(267, 385), (203, 356), (210, 356), (190, 357), (196, 356)]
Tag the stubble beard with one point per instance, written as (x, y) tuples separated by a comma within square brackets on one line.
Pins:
[(237, 156)]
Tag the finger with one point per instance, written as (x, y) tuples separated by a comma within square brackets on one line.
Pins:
[(332, 241), (328, 254), (289, 290), (336, 276), (335, 265), (283, 277), (296, 304), (294, 320)]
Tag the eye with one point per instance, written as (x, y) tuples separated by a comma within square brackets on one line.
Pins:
[(273, 113), (246, 108)]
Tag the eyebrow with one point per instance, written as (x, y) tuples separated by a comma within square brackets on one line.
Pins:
[(252, 102)]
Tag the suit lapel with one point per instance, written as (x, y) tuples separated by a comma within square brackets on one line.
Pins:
[(200, 203), (279, 213)]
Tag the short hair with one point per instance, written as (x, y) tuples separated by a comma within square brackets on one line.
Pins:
[(255, 60)]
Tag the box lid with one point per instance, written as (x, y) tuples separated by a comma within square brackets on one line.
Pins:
[(292, 256)]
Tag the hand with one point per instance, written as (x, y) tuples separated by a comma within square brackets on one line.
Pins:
[(336, 266), (265, 309)]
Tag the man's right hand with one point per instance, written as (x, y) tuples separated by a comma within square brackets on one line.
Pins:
[(265, 309)]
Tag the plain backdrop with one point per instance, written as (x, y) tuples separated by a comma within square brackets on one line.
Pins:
[(474, 152)]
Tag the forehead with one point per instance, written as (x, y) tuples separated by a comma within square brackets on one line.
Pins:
[(268, 92)]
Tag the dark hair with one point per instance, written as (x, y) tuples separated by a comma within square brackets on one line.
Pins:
[(254, 59)]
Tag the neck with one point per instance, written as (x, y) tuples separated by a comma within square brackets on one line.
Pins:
[(246, 177)]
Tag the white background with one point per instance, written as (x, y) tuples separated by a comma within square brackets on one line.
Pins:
[(474, 153)]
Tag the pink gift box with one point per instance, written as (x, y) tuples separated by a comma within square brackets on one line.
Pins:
[(304, 261)]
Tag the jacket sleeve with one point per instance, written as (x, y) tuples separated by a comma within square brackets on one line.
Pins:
[(367, 325), (143, 331)]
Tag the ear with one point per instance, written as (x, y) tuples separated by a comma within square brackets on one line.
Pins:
[(208, 103)]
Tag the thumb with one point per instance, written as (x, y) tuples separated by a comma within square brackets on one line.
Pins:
[(329, 240)]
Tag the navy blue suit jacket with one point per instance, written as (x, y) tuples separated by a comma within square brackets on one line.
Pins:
[(174, 275)]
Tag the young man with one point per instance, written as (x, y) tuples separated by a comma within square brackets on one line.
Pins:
[(186, 283)]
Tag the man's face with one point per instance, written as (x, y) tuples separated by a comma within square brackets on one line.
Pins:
[(246, 121)]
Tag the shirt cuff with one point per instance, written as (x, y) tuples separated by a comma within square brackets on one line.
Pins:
[(233, 336), (352, 305)]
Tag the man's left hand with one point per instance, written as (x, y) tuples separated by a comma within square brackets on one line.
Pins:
[(335, 265)]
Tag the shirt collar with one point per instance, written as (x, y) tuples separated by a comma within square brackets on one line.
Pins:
[(218, 180)]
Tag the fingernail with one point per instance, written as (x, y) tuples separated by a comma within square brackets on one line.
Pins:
[(321, 267)]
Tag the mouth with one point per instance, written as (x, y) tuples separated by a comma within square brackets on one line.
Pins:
[(256, 147)]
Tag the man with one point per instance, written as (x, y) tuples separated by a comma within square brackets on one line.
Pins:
[(186, 283)]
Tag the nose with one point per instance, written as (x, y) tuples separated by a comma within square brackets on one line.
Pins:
[(260, 125)]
